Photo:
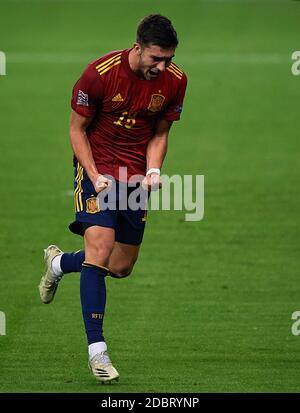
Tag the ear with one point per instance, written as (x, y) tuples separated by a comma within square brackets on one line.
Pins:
[(137, 48)]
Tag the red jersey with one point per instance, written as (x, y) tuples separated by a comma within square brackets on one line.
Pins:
[(125, 110)]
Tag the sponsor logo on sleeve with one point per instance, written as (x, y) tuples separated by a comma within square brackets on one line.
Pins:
[(82, 98)]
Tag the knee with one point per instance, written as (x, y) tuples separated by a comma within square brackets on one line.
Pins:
[(98, 254), (121, 271)]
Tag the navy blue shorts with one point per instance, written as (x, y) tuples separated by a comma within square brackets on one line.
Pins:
[(129, 225)]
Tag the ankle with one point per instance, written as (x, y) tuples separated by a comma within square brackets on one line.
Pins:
[(96, 348)]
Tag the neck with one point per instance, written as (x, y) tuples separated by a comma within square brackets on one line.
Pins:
[(133, 61)]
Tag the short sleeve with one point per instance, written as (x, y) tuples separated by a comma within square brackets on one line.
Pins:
[(87, 93), (173, 112)]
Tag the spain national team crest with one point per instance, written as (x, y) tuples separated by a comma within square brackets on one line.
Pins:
[(156, 102), (92, 206)]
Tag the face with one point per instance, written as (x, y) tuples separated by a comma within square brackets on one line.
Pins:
[(153, 60)]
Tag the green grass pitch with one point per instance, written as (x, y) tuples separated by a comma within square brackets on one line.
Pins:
[(208, 307)]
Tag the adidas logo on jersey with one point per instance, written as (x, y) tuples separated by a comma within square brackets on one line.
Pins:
[(118, 98)]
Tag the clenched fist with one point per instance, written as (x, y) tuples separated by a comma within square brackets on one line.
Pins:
[(100, 182), (152, 182)]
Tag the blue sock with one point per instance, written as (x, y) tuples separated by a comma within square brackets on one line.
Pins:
[(72, 262), (93, 297)]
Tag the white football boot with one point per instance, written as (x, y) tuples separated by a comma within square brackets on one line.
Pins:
[(49, 281), (102, 369)]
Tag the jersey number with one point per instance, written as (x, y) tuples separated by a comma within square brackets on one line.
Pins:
[(127, 119)]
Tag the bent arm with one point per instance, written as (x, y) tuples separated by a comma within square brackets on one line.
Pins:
[(80, 144), (156, 152), (158, 145)]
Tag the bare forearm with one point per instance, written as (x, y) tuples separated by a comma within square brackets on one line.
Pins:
[(156, 152), (82, 150)]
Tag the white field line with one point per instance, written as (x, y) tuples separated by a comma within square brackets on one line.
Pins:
[(212, 2), (192, 59)]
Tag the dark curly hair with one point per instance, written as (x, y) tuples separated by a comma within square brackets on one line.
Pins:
[(158, 30)]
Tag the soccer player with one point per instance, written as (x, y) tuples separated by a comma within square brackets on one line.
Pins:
[(123, 107)]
